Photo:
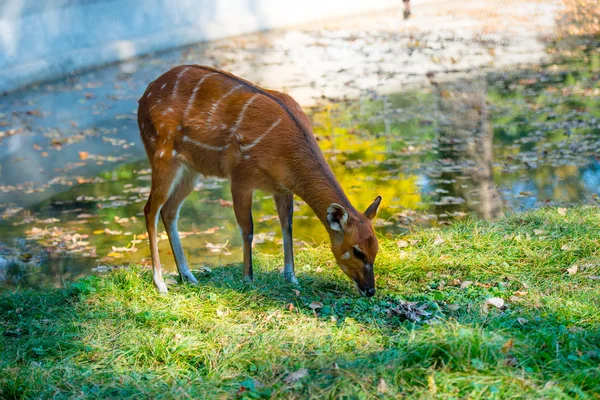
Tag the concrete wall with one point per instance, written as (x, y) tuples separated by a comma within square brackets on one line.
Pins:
[(47, 39)]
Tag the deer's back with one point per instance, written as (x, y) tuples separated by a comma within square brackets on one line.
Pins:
[(222, 125)]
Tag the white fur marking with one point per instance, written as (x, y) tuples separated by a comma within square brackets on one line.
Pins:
[(162, 153), (163, 85), (174, 153), (176, 179), (193, 96), (148, 95), (179, 75), (205, 146), (214, 107), (346, 255), (261, 137), (240, 117)]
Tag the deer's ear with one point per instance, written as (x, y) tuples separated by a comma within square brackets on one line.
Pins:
[(337, 217), (372, 210)]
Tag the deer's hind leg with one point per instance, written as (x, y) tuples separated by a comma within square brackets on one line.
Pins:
[(165, 175), (170, 214)]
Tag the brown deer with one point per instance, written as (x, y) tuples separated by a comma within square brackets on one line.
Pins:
[(198, 120)]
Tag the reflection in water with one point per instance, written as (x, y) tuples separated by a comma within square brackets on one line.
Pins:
[(485, 146), (466, 145)]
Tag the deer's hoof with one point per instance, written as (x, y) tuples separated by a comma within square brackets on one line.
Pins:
[(161, 286), (189, 278), (291, 278)]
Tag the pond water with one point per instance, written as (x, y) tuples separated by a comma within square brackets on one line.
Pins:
[(452, 147)]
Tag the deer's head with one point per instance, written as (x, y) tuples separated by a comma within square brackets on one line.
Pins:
[(354, 244)]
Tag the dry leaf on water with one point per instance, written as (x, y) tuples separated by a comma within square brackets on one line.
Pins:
[(217, 248), (225, 203)]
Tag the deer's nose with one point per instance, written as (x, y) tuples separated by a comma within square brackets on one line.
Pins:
[(370, 292)]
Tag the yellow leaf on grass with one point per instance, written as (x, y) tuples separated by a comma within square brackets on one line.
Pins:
[(507, 346)]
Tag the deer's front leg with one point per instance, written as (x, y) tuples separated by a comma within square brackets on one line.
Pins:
[(242, 206), (285, 209)]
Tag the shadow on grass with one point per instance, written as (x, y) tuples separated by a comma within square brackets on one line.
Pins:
[(115, 336)]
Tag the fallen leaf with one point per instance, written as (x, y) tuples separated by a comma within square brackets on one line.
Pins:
[(431, 384), (573, 270), (131, 249), (522, 321), (115, 255), (382, 386), (565, 247), (316, 305), (539, 232), (466, 284), (216, 248), (510, 361), (494, 301), (562, 211), (225, 203), (290, 307), (296, 292), (83, 155), (508, 346), (409, 310), (453, 307), (438, 240), (295, 376), (402, 243), (521, 292)]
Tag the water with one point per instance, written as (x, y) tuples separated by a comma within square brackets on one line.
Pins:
[(74, 177)]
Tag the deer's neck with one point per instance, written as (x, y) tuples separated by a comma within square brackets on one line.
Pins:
[(318, 187)]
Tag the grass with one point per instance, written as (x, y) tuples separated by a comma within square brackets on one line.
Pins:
[(115, 337)]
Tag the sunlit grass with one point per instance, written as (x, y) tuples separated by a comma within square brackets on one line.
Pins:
[(116, 337)]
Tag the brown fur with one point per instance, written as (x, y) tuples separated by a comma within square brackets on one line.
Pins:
[(188, 119)]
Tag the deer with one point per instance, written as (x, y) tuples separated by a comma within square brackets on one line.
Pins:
[(196, 120)]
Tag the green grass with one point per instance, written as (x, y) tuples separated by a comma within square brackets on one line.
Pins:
[(115, 337)]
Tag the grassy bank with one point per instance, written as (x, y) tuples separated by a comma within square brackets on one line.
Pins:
[(431, 330)]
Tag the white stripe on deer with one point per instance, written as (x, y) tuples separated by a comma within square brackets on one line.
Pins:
[(205, 146), (240, 117), (214, 107), (190, 103), (261, 137), (179, 75)]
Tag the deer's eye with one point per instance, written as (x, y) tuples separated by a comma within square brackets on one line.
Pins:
[(359, 254)]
